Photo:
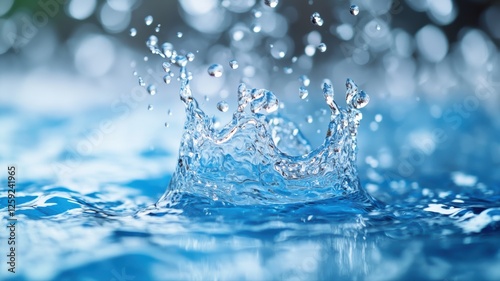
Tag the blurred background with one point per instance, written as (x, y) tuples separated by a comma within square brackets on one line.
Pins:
[(73, 110)]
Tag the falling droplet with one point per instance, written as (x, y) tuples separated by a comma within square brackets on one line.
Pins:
[(215, 70), (256, 28), (141, 81), (377, 27), (316, 19), (309, 119), (157, 28), (190, 56), (167, 49), (150, 107), (304, 80), (257, 13), (152, 41), (233, 64), (148, 20), (322, 47), (222, 106), (167, 78), (167, 125), (354, 10), (133, 32), (152, 89), (134, 73), (179, 34), (303, 92), (271, 3), (288, 70)]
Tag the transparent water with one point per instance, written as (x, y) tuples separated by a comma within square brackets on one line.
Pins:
[(255, 199)]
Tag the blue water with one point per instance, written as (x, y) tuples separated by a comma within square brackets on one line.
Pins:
[(369, 190)]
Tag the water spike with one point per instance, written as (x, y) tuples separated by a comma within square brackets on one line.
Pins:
[(329, 98), (243, 97), (352, 90)]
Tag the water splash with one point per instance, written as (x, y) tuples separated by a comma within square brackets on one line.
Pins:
[(260, 157)]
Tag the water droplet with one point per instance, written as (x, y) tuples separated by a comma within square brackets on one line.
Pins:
[(233, 64), (181, 60), (222, 106), (316, 19), (271, 3), (377, 27), (167, 49), (134, 73), (167, 78), (303, 92), (294, 59), (322, 47), (152, 41), (256, 27), (179, 34), (133, 32), (361, 100), (152, 89), (304, 80), (148, 20), (166, 66), (309, 119), (190, 56), (157, 28), (378, 118), (354, 10), (257, 13), (141, 81), (215, 70), (150, 107), (167, 125), (288, 70)]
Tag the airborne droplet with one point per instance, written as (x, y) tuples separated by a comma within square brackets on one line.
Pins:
[(148, 20), (271, 3), (152, 89), (316, 19), (222, 106), (304, 80), (354, 10), (133, 32), (322, 47), (215, 70), (233, 64), (303, 92)]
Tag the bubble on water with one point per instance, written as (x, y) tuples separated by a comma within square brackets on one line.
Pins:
[(133, 32), (303, 92), (190, 56), (271, 3), (354, 10), (309, 119), (157, 28), (316, 19), (152, 89), (322, 47), (179, 34), (141, 81), (233, 64), (150, 107), (304, 80), (148, 20), (152, 41), (222, 106), (215, 70)]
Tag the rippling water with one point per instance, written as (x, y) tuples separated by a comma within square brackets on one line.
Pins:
[(270, 187)]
